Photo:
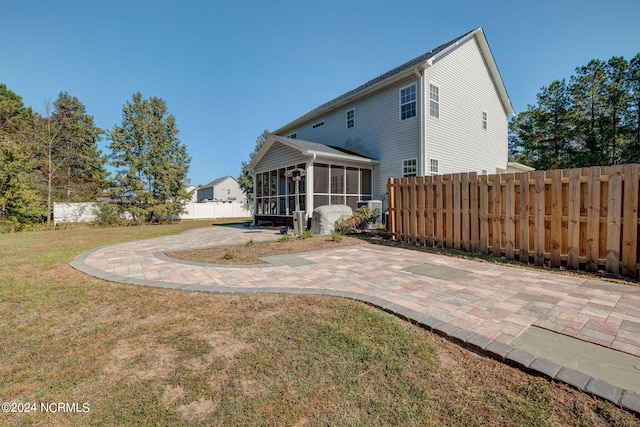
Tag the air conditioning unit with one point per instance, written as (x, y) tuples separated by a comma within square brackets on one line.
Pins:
[(373, 204)]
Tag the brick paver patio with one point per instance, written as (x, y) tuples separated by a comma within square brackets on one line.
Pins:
[(494, 301)]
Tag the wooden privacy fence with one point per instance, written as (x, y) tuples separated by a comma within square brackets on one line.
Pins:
[(580, 218)]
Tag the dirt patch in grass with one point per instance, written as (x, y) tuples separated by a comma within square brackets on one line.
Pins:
[(252, 252), (150, 356)]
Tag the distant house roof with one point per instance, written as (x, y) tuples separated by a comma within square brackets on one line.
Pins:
[(308, 148), (217, 181), (422, 62)]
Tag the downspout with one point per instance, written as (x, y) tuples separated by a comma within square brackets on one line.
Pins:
[(423, 154)]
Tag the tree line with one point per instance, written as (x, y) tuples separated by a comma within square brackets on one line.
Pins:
[(591, 119), (55, 158)]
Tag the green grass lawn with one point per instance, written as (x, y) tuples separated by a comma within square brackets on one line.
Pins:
[(146, 356)]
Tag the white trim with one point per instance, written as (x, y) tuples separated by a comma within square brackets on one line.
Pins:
[(414, 101), (404, 166), (437, 102), (437, 164), (346, 117)]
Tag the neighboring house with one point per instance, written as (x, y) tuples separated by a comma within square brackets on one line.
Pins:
[(445, 111), (225, 189)]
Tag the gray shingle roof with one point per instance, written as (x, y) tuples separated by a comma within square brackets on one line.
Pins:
[(306, 146), (216, 181)]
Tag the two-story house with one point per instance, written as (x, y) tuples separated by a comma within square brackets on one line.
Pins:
[(443, 112), (224, 189)]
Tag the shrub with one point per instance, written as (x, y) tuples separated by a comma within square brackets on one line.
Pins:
[(286, 238), (106, 215), (360, 220)]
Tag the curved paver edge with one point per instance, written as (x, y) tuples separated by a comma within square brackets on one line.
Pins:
[(501, 352)]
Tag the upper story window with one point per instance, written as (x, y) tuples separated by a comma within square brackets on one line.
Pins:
[(408, 102), (293, 135), (351, 118), (434, 166), (484, 120), (317, 125), (434, 101), (409, 167)]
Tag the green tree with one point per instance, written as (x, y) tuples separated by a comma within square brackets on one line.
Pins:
[(151, 163), (587, 91), (245, 179), (631, 151), (20, 202), (593, 120), (82, 174), (541, 136)]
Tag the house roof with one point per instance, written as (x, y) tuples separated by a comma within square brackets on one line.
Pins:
[(217, 181), (308, 148), (423, 61)]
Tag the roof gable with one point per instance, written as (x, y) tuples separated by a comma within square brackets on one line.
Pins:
[(423, 61), (218, 181), (307, 148)]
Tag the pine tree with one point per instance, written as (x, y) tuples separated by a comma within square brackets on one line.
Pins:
[(20, 202), (151, 163)]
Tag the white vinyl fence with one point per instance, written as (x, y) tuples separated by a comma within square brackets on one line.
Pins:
[(86, 212)]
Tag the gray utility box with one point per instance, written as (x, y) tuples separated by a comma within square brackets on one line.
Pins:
[(298, 221)]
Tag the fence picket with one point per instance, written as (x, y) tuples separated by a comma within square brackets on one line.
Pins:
[(630, 221), (474, 216), (614, 220), (510, 216), (593, 219), (573, 241), (554, 216), (524, 217)]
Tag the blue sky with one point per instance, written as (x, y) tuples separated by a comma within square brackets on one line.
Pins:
[(228, 70)]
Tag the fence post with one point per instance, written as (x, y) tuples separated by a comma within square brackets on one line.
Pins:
[(573, 241), (496, 217), (524, 218), (392, 208), (510, 216), (474, 213), (439, 226), (457, 211), (593, 219), (630, 221), (556, 217), (538, 221), (431, 209), (464, 196), (413, 214), (484, 214), (421, 232), (614, 220)]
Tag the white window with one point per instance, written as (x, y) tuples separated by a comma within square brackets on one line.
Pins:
[(434, 101), (408, 102), (293, 135), (433, 165), (317, 125), (409, 167), (484, 120), (351, 118)]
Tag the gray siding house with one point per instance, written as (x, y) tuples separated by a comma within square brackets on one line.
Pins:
[(445, 111), (224, 189)]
